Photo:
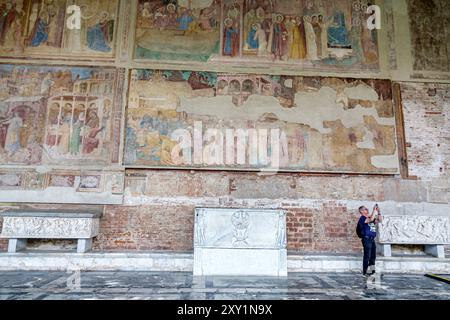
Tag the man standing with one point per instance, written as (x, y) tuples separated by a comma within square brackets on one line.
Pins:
[(367, 225)]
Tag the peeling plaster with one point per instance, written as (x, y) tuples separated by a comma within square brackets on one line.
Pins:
[(312, 108)]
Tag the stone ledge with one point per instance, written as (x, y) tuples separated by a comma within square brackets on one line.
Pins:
[(183, 262)]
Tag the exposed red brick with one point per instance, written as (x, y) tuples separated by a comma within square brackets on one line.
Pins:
[(146, 228), (427, 128), (170, 228)]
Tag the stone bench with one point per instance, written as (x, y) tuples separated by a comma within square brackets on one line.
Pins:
[(431, 231), (19, 226), (240, 242)]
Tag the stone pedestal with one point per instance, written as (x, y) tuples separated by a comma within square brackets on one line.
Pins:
[(240, 242), (385, 250), (16, 245), (84, 245), (437, 251)]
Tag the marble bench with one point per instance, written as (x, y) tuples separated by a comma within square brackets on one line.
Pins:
[(240, 242), (18, 226), (431, 231)]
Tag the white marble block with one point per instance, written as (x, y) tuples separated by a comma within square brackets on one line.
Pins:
[(240, 242)]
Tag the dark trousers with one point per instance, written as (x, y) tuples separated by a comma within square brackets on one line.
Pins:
[(370, 253)]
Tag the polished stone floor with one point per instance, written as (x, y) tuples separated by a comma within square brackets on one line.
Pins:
[(176, 286)]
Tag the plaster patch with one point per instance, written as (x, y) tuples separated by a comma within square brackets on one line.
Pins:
[(367, 143), (362, 92), (385, 162), (312, 109)]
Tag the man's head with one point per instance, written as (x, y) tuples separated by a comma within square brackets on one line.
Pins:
[(363, 210)]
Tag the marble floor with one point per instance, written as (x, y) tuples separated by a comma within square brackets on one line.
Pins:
[(183, 286)]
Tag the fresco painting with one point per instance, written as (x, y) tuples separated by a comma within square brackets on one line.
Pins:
[(310, 33), (57, 115), (90, 183), (430, 33), (40, 28), (178, 30), (10, 180), (62, 180), (326, 124)]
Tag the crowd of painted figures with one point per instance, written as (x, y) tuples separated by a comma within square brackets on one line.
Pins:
[(308, 36), (259, 29), (172, 15), (35, 24)]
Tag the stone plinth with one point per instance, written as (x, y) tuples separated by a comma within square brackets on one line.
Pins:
[(20, 226), (240, 242)]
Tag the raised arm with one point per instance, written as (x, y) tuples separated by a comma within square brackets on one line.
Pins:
[(372, 217), (379, 217)]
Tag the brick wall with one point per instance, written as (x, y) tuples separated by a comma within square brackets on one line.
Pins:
[(145, 228), (159, 208), (427, 125), (329, 230), (326, 228)]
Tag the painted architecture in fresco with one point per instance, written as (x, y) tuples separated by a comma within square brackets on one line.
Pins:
[(326, 124), (430, 32), (313, 33), (58, 115), (40, 27)]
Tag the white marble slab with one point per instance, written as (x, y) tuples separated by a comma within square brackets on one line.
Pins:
[(240, 242)]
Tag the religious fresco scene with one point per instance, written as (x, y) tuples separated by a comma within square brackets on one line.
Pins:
[(178, 30), (57, 115), (326, 124), (48, 28), (311, 33), (430, 33)]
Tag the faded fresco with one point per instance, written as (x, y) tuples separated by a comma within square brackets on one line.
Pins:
[(325, 124), (311, 33), (178, 30), (59, 115), (56, 186), (41, 28), (430, 32)]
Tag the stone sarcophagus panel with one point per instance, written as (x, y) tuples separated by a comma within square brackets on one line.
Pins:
[(20, 226), (431, 231), (240, 242), (415, 230)]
